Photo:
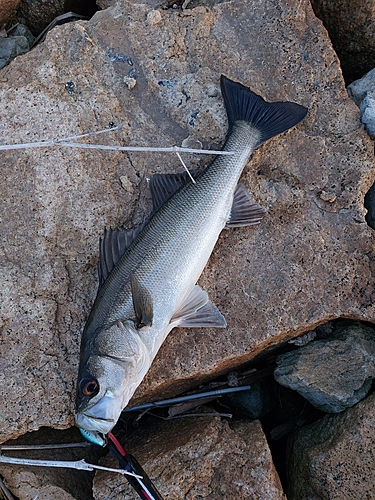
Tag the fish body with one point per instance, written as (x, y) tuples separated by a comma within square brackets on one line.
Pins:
[(148, 275)]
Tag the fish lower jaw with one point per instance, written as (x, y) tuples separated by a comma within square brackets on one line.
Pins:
[(92, 424)]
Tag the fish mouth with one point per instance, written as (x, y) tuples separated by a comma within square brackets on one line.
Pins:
[(101, 417)]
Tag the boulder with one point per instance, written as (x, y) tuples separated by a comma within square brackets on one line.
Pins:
[(311, 260), (333, 459), (334, 373), (198, 457), (7, 11)]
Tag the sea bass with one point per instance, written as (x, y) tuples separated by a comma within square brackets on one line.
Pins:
[(148, 275)]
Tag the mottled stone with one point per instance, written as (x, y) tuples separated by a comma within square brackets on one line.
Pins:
[(308, 262), (350, 24), (358, 89), (333, 459), (198, 457), (333, 374), (7, 11)]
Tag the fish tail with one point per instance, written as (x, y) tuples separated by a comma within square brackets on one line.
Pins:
[(270, 118)]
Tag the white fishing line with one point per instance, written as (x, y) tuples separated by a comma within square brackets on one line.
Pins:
[(185, 167), (68, 464), (69, 142)]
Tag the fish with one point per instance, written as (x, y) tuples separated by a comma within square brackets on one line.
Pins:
[(148, 275)]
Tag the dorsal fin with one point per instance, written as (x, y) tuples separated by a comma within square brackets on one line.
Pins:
[(244, 212), (112, 246), (163, 186)]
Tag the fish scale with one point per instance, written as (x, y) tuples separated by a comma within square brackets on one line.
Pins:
[(151, 286)]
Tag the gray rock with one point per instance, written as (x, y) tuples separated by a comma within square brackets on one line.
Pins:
[(19, 42), (367, 109), (333, 374), (358, 89), (254, 403), (333, 459)]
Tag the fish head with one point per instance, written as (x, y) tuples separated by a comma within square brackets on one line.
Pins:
[(113, 363)]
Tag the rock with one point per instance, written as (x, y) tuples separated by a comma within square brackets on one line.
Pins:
[(333, 458), (254, 403), (358, 89), (19, 42), (333, 374), (308, 262), (198, 457), (7, 11), (39, 14), (350, 25), (370, 206), (47, 483)]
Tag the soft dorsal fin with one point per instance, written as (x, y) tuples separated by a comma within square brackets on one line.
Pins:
[(197, 311), (142, 303), (244, 212), (112, 247), (163, 186)]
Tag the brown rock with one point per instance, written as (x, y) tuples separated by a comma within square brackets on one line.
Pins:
[(7, 10), (310, 260), (351, 27), (334, 457), (201, 457)]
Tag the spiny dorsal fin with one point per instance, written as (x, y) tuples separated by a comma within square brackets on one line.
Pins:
[(112, 247), (142, 303), (197, 311), (163, 186), (244, 212), (270, 118)]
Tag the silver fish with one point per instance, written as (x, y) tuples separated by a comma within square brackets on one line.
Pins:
[(148, 275)]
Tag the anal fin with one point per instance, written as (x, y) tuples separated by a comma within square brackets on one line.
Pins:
[(244, 212), (197, 311)]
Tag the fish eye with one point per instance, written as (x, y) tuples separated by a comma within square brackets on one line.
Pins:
[(89, 387)]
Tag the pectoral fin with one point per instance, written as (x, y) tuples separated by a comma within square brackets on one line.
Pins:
[(142, 303), (244, 212), (197, 311)]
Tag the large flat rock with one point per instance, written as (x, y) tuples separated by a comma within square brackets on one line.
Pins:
[(198, 457), (312, 258)]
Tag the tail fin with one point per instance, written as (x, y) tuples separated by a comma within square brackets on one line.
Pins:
[(270, 118)]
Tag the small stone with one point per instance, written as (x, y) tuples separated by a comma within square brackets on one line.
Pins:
[(126, 184), (303, 339), (327, 196), (358, 89), (153, 17), (130, 82)]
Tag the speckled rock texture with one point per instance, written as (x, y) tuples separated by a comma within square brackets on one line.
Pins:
[(199, 457), (311, 260), (333, 374), (333, 459), (7, 11), (350, 24)]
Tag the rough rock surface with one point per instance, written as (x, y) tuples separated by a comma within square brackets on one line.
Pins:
[(333, 459), (333, 374), (310, 260), (199, 457), (358, 89), (350, 24), (7, 11)]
